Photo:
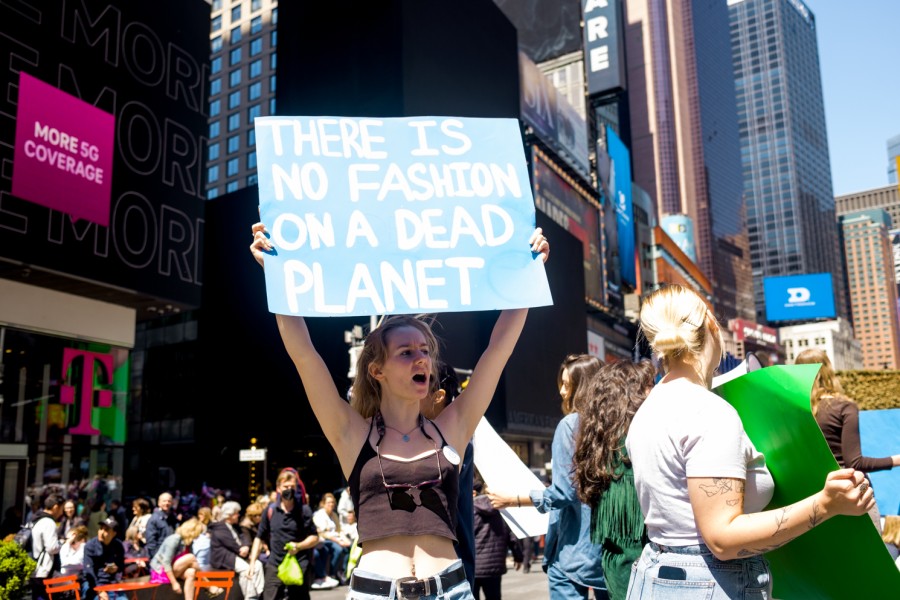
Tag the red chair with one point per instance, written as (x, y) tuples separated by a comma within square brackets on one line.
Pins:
[(59, 585), (210, 579)]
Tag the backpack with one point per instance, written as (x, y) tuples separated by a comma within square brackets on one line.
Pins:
[(24, 537)]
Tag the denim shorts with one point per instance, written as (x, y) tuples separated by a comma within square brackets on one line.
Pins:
[(460, 591), (690, 572)]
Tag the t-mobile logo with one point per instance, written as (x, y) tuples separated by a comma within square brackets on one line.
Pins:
[(104, 397)]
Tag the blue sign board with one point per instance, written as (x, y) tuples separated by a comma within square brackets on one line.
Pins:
[(603, 51), (799, 297), (396, 216), (620, 188)]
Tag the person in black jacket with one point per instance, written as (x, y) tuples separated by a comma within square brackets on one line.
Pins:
[(161, 525), (493, 539), (104, 561), (230, 549)]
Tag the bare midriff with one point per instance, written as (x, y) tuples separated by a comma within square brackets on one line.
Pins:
[(407, 555)]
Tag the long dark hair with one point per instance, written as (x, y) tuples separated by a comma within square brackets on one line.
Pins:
[(614, 394), (581, 367)]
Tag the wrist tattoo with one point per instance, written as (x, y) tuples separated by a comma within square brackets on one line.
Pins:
[(780, 520), (815, 518)]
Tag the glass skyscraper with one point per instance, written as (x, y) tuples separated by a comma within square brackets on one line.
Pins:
[(784, 146)]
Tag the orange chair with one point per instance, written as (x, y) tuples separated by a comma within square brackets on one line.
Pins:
[(59, 585), (209, 579)]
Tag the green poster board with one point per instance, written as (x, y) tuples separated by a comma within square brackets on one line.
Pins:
[(842, 558)]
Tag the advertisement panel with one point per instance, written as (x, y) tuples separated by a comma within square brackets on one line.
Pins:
[(104, 113), (620, 188), (569, 208), (799, 297), (603, 46), (681, 229)]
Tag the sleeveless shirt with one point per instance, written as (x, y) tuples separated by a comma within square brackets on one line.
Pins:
[(383, 512)]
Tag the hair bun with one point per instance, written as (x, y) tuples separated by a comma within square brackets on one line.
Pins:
[(669, 341)]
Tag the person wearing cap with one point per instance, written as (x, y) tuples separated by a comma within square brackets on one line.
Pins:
[(104, 561)]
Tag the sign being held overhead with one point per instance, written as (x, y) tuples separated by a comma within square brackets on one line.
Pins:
[(406, 215)]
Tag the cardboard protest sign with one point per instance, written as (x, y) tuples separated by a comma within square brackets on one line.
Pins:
[(843, 557), (406, 215)]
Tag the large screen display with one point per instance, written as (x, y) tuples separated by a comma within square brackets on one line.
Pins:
[(799, 297)]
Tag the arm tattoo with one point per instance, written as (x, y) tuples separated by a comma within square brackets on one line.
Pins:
[(719, 486), (745, 552), (814, 518), (780, 520)]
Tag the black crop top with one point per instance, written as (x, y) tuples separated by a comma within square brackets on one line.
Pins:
[(429, 509)]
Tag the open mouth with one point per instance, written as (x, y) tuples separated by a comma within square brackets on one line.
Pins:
[(420, 378)]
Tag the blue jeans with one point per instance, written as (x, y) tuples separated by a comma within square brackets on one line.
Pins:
[(460, 591), (563, 588), (693, 572)]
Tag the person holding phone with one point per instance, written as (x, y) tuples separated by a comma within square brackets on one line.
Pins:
[(104, 561), (701, 483)]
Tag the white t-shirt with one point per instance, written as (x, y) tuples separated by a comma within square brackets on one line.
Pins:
[(683, 430)]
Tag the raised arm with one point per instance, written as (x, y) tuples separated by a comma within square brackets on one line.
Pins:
[(462, 417), (719, 504), (343, 426)]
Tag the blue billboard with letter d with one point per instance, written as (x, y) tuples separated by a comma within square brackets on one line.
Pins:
[(799, 297)]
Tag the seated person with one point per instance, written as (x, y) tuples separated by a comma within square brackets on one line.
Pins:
[(104, 560)]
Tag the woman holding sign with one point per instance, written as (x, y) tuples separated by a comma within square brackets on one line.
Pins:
[(402, 468), (700, 481)]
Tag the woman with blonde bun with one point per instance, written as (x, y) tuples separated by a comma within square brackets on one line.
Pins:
[(702, 484)]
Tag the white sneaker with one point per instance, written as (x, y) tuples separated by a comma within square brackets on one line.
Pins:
[(326, 583)]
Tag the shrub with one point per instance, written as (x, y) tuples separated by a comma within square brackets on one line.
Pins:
[(872, 390), (16, 568)]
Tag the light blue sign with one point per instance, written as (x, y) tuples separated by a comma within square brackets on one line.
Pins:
[(397, 216), (620, 188), (799, 297)]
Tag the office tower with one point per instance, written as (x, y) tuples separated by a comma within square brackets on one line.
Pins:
[(242, 38), (784, 146), (893, 151), (684, 134), (886, 198), (873, 292)]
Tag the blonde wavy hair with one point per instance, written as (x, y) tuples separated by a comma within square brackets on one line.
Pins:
[(190, 530), (891, 533), (678, 325), (827, 385), (365, 396)]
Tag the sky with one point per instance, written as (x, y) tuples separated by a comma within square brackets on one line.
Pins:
[(859, 47)]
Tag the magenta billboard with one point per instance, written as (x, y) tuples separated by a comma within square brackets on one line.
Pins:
[(64, 152)]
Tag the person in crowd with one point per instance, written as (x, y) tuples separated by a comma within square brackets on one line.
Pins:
[(891, 535), (161, 524), (104, 561), (249, 526), (174, 561), (200, 546), (446, 389), (135, 550), (45, 543), (71, 554), (838, 418), (287, 527), (493, 541), (603, 475), (345, 504), (404, 482), (333, 549), (69, 521), (140, 509), (230, 551), (701, 482), (571, 559), (117, 511), (94, 513)]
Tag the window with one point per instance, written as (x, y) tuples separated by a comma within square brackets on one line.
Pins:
[(272, 106), (254, 91), (234, 121), (251, 160), (213, 129), (252, 179), (235, 57), (215, 108), (231, 186), (236, 13), (213, 174), (272, 83), (255, 5), (273, 60), (216, 5), (275, 16), (215, 65), (236, 34), (256, 47), (215, 86), (232, 168), (214, 151), (234, 100), (255, 25), (234, 143), (253, 112), (216, 43), (234, 78), (251, 138), (212, 193), (273, 39), (255, 68), (216, 23)]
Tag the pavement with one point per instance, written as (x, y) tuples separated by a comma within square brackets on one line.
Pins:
[(516, 586)]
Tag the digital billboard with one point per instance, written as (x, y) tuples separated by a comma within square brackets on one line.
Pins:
[(620, 188), (799, 297)]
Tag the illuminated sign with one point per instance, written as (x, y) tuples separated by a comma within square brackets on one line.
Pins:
[(90, 360), (799, 297), (603, 46)]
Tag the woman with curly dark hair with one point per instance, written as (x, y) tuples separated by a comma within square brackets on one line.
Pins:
[(603, 476)]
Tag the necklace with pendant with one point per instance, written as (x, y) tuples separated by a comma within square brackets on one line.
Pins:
[(405, 436)]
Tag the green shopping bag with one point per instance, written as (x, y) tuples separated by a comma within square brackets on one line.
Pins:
[(289, 571)]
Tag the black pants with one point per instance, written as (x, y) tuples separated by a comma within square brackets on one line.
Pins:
[(489, 585), (276, 590)]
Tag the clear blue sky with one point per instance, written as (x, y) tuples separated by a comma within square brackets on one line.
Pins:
[(859, 50)]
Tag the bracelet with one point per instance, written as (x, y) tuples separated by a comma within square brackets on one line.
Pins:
[(518, 501)]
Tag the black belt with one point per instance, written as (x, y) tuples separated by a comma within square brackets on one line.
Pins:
[(407, 587)]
